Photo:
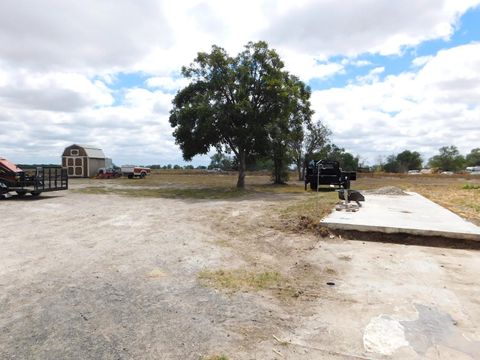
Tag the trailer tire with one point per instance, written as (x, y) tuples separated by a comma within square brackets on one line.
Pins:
[(130, 176), (35, 193), (142, 175), (313, 186), (3, 188), (21, 192)]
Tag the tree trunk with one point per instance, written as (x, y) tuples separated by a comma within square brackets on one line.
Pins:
[(299, 169), (242, 167)]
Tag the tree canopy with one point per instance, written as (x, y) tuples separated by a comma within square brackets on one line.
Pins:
[(404, 161), (449, 158), (245, 104), (473, 158)]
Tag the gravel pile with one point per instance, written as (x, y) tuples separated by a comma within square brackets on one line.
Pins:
[(387, 190)]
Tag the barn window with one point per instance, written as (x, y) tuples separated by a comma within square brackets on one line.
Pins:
[(74, 152)]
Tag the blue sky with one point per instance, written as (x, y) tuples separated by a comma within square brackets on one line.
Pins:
[(385, 76)]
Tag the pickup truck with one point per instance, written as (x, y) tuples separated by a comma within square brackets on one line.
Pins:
[(34, 181), (132, 171), (327, 172)]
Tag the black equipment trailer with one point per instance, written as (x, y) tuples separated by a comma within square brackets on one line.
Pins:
[(327, 172)]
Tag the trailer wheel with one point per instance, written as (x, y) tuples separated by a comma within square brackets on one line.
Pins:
[(313, 186), (35, 193), (130, 176), (21, 192), (3, 188), (142, 175)]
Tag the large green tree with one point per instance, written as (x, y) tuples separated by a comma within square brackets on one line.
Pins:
[(231, 103), (449, 158), (404, 161), (473, 159)]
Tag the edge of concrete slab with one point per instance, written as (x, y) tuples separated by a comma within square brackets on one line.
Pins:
[(391, 229), (396, 230)]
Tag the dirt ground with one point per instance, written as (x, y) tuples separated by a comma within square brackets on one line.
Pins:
[(106, 276)]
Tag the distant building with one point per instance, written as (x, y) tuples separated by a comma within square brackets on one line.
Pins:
[(84, 160)]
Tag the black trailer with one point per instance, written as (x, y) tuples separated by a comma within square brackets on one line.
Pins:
[(31, 180), (327, 172)]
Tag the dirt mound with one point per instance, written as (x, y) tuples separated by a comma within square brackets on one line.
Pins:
[(387, 190)]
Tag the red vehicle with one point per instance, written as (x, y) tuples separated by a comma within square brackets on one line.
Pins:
[(107, 173), (34, 181)]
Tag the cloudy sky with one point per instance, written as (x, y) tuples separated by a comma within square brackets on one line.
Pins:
[(385, 75)]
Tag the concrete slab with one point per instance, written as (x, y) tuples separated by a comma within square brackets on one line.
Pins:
[(411, 214)]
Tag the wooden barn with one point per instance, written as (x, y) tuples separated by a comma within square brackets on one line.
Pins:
[(84, 160)]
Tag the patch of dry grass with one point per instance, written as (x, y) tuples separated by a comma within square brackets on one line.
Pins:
[(235, 280), (212, 193), (304, 215)]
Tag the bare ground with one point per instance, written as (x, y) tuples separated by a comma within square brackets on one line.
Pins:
[(111, 277)]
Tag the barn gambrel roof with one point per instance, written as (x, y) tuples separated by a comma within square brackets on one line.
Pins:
[(93, 151)]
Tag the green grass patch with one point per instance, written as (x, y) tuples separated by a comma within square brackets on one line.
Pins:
[(214, 357), (471, 187), (235, 280)]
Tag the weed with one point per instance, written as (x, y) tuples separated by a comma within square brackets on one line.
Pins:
[(240, 279), (471, 187), (214, 357)]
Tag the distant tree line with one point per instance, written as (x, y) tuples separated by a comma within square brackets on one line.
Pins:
[(447, 159)]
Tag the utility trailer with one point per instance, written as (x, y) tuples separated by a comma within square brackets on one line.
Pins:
[(33, 180), (327, 172)]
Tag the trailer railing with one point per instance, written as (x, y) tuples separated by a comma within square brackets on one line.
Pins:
[(50, 178)]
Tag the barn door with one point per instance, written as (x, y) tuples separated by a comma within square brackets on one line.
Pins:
[(79, 166), (75, 166)]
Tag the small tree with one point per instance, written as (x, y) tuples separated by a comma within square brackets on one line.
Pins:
[(286, 134), (391, 164), (449, 159), (221, 161), (316, 141), (409, 160)]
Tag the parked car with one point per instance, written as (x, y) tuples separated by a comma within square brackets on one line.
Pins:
[(108, 173)]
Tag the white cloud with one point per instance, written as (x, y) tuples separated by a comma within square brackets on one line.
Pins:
[(59, 62), (329, 27), (167, 83), (87, 35), (52, 91), (439, 105), (421, 60)]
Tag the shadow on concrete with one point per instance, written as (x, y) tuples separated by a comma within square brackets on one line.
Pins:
[(409, 239)]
